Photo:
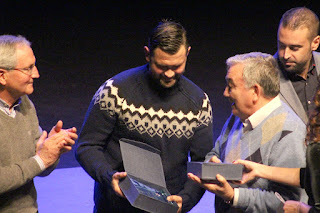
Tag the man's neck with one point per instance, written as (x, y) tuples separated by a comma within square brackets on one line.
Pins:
[(7, 98), (264, 111), (306, 69)]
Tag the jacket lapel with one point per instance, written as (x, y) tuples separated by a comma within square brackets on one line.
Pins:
[(290, 97)]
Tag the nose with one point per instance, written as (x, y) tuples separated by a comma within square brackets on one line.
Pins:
[(287, 53), (35, 72), (226, 92), (169, 73)]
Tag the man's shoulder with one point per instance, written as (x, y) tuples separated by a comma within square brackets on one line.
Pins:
[(125, 79), (316, 54), (290, 118), (25, 102), (191, 88), (316, 57), (130, 74)]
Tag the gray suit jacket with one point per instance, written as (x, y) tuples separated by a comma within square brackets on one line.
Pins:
[(288, 94)]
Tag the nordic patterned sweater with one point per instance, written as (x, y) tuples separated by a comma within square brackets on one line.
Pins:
[(17, 167), (131, 105), (277, 141)]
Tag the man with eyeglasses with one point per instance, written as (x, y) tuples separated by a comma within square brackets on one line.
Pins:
[(25, 150)]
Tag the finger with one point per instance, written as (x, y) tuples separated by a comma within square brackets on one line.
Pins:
[(239, 161), (42, 138), (215, 159), (221, 179), (174, 198), (119, 175), (65, 149), (73, 130), (58, 139), (115, 182), (58, 126), (72, 135), (68, 141), (194, 178)]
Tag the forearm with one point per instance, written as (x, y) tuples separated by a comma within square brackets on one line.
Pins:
[(289, 176), (95, 164), (257, 200), (190, 195), (95, 151), (201, 145), (18, 174)]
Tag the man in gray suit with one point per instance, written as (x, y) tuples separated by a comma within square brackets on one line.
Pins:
[(300, 65)]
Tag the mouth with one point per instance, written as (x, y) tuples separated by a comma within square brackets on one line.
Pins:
[(168, 81), (288, 63)]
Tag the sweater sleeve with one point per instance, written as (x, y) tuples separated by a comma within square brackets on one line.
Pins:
[(286, 151), (18, 174), (201, 144), (97, 128), (222, 139)]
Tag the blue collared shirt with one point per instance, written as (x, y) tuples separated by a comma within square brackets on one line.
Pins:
[(4, 107)]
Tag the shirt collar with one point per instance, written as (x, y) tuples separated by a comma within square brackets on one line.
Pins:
[(256, 118), (6, 108)]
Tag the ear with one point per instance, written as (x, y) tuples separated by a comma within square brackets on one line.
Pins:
[(188, 50), (315, 43), (147, 53), (3, 78), (256, 92)]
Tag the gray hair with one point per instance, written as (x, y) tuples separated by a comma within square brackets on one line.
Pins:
[(259, 68), (8, 50)]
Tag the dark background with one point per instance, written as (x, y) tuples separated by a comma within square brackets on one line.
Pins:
[(80, 44)]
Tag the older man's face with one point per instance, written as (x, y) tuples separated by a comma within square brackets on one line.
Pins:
[(239, 96), (20, 82)]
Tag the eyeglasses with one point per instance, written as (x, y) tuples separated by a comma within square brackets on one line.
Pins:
[(27, 70)]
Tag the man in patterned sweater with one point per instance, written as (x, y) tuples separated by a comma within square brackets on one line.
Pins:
[(265, 130), (154, 104)]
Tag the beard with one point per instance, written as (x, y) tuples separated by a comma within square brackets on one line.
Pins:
[(293, 67)]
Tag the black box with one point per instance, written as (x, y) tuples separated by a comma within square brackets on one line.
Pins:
[(145, 185), (208, 171)]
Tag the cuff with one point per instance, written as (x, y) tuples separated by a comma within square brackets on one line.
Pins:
[(235, 196), (40, 162)]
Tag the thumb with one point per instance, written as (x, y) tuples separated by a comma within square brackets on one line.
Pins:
[(42, 138), (221, 179), (215, 159), (58, 126), (174, 198)]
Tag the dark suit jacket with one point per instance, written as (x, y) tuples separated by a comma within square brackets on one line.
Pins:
[(288, 94)]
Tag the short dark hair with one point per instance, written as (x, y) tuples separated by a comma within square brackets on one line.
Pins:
[(168, 36), (301, 17)]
